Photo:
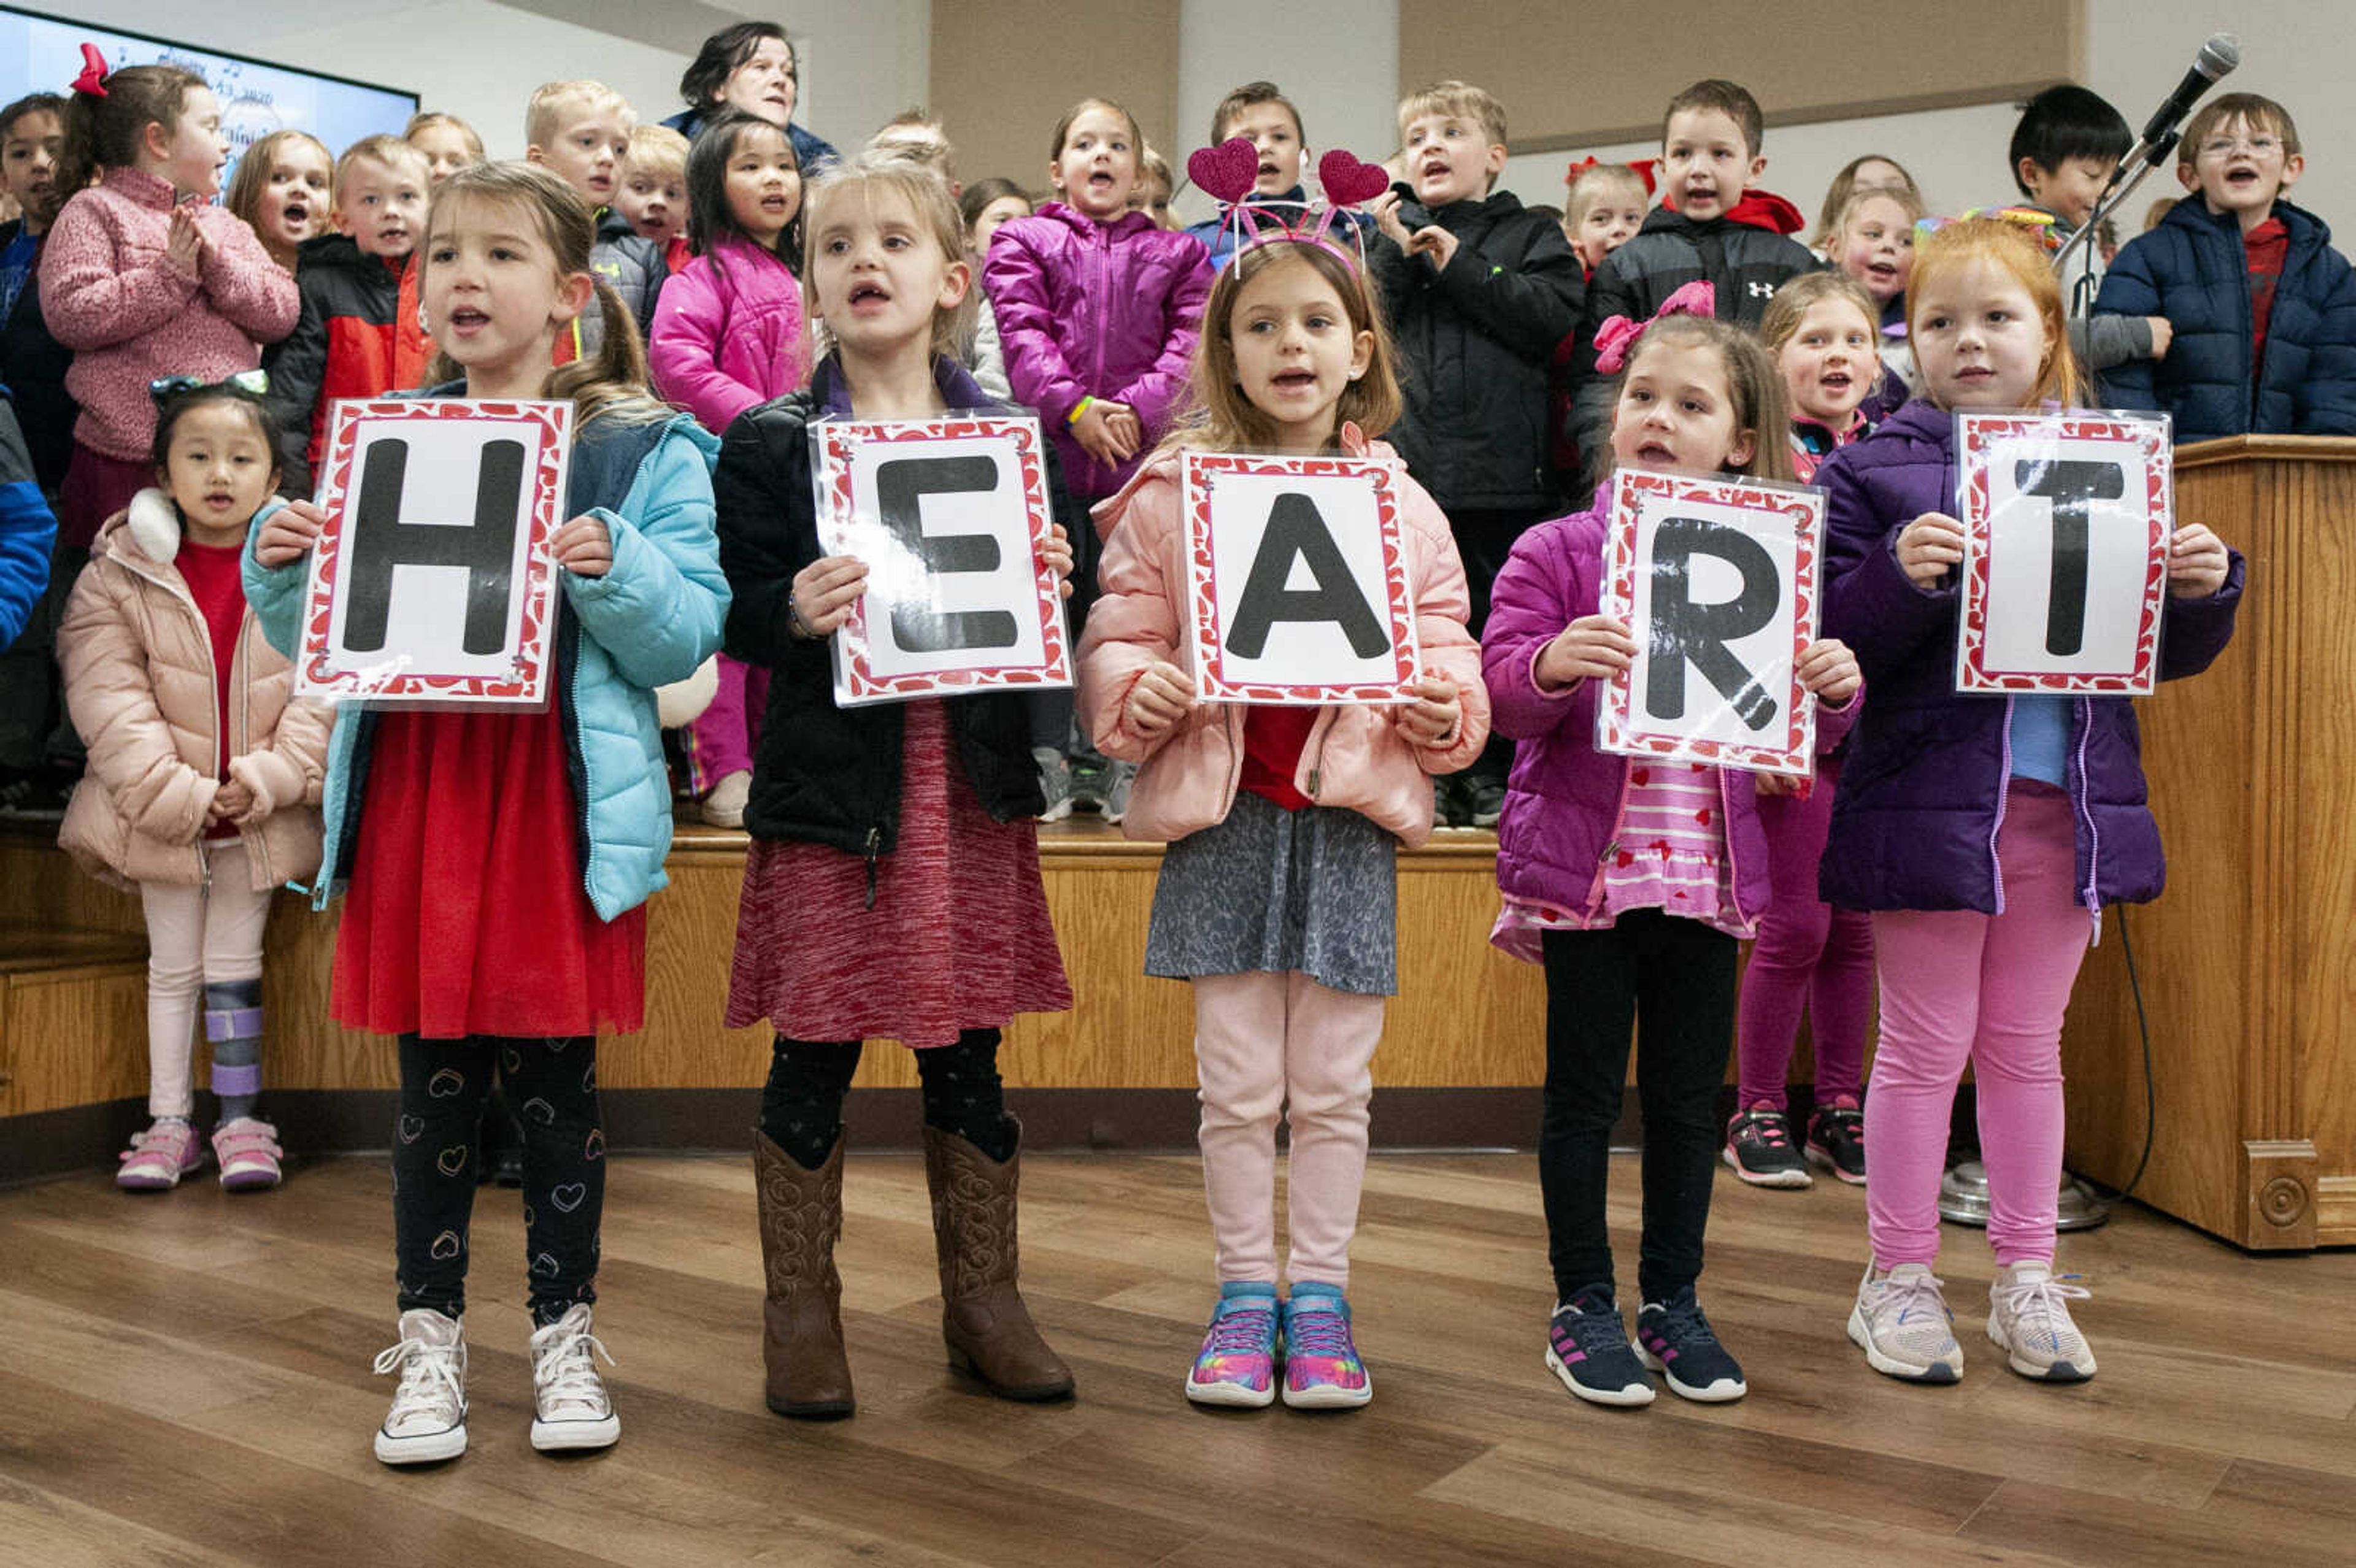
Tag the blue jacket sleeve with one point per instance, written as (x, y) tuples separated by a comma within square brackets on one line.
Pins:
[(27, 531), (657, 612), (275, 593), (2328, 398)]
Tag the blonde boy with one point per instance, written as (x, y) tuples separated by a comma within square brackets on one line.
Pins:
[(654, 183), (580, 132)]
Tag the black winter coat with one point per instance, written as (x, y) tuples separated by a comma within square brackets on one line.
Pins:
[(33, 366), (1744, 263), (2193, 270), (1475, 341), (824, 773)]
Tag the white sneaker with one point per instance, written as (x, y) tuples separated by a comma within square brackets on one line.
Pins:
[(428, 1421), (572, 1409), (2028, 1315), (724, 807), (1901, 1323)]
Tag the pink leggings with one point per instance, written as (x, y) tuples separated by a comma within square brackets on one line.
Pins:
[(1808, 955), (720, 740), (1264, 1042), (1992, 990)]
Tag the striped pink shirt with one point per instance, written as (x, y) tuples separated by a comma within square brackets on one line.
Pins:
[(1669, 853)]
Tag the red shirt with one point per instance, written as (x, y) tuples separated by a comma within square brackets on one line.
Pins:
[(1273, 739), (2266, 246), (212, 573)]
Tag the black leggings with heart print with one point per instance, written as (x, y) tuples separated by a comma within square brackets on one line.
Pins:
[(552, 1086)]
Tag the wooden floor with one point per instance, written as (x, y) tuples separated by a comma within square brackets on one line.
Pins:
[(183, 1380)]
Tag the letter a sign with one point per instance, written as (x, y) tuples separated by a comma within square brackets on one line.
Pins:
[(1716, 581), (950, 516), (2066, 523), (1298, 591), (432, 584)]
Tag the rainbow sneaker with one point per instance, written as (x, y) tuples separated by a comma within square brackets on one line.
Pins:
[(1237, 1362), (1321, 1369)]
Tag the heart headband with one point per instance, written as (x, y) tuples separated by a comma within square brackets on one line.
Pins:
[(91, 82), (1229, 170), (1616, 339), (2039, 224)]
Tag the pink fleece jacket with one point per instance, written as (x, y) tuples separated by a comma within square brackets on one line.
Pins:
[(110, 294), (727, 334), (1356, 757)]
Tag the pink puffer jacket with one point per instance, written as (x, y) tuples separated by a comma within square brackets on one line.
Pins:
[(1096, 310), (729, 337), (140, 683), (108, 294), (1355, 757)]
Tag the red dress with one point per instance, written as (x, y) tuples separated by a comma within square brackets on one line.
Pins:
[(475, 809), (959, 937)]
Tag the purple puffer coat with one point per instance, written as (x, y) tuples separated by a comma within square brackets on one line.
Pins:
[(1107, 310), (1921, 793), (1564, 800)]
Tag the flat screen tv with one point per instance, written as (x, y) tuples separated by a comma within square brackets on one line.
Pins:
[(43, 54)]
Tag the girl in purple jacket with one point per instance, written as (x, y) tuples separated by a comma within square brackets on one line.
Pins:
[(1632, 879), (1097, 312), (1984, 836), (728, 335)]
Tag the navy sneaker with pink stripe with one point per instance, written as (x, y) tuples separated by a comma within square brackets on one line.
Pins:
[(1588, 1348), (1676, 1341)]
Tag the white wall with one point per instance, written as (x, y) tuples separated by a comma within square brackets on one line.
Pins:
[(2293, 51), (480, 60)]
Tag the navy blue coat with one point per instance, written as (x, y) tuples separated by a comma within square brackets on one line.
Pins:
[(2192, 270), (1921, 793)]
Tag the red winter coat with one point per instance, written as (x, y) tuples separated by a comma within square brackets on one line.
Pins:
[(358, 336)]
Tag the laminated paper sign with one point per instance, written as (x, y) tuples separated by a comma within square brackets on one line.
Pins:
[(432, 584), (950, 516), (1298, 593), (1717, 579), (2066, 525)]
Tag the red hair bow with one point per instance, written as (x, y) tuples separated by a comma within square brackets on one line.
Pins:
[(91, 82), (1617, 339)]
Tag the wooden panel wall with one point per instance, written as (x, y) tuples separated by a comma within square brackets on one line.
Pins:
[(1541, 58), (1003, 72)]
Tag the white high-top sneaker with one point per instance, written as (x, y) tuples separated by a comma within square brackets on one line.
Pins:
[(428, 1420), (572, 1408)]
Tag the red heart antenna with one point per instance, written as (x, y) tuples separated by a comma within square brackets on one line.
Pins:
[(1226, 171), (1347, 181)]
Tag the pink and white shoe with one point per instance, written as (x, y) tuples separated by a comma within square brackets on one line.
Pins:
[(160, 1156), (249, 1154)]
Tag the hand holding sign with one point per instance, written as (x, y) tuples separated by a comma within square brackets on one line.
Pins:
[(824, 592), (1159, 697), (292, 529), (1930, 547), (584, 547), (2198, 563), (1830, 670), (1431, 717), (1593, 647)]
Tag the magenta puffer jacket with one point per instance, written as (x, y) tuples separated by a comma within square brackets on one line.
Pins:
[(1102, 310), (728, 336), (1564, 799)]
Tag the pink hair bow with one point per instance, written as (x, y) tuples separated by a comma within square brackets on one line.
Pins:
[(1617, 337), (91, 82)]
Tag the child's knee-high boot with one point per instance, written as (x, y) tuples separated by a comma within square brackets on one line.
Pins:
[(988, 1330), (801, 1320)]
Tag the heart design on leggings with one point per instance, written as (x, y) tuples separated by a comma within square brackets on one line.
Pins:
[(513, 1059), (544, 1264), (452, 1160), (589, 1080), (530, 1217), (594, 1147), (447, 1083), (569, 1197), (445, 1245), (411, 1128), (536, 1107), (557, 1042)]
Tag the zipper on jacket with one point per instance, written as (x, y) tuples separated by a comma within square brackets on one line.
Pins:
[(1317, 768), (2003, 792), (2094, 833), (874, 848)]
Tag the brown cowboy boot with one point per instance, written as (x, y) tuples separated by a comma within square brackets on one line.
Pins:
[(802, 1320), (988, 1330)]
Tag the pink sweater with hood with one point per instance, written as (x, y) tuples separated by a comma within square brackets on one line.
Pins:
[(110, 294), (1356, 757)]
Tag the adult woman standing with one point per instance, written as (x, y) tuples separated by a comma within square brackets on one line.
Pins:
[(751, 67)]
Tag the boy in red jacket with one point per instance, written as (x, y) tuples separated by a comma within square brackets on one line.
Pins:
[(358, 334)]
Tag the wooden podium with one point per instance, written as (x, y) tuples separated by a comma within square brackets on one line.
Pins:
[(2248, 960)]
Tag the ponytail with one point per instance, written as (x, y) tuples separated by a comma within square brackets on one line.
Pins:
[(104, 129), (614, 380)]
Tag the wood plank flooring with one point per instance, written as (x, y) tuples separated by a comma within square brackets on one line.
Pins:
[(183, 1380)]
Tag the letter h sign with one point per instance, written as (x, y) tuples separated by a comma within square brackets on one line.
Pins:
[(2066, 525), (432, 584), (1717, 582)]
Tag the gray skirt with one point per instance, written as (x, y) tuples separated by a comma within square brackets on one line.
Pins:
[(1271, 889)]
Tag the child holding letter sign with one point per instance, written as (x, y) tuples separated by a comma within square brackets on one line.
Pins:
[(498, 861), (1632, 879), (1277, 898), (1984, 836), (892, 890)]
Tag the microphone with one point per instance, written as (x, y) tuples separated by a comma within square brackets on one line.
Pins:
[(2221, 54)]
